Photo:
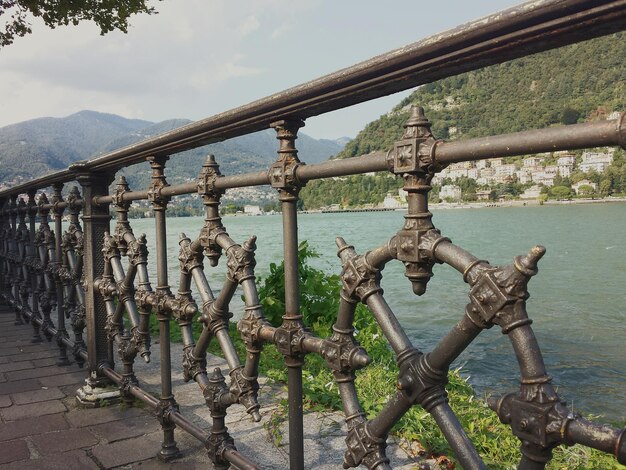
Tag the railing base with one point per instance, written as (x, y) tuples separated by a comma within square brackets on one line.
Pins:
[(95, 397)]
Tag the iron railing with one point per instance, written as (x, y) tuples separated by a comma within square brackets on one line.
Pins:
[(80, 274)]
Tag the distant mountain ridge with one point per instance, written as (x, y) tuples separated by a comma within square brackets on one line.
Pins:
[(40, 146)]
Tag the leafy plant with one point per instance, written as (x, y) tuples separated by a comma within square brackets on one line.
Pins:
[(108, 16)]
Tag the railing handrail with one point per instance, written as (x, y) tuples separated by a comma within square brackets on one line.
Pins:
[(519, 31)]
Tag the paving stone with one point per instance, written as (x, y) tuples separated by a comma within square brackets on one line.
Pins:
[(34, 396), (43, 408), (34, 373), (182, 464), (17, 339), (15, 349), (77, 378), (128, 451), (11, 366), (38, 355), (14, 343), (2, 378), (14, 450), (73, 460), (81, 417), (33, 426), (48, 361), (15, 336), (19, 386), (62, 441), (5, 400), (4, 359), (70, 390), (126, 428)]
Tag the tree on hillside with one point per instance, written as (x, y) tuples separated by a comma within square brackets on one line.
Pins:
[(109, 15)]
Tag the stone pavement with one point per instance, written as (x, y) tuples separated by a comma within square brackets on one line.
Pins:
[(41, 426)]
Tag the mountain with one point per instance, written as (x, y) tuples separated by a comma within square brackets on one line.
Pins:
[(34, 148), (39, 146), (248, 153), (577, 83)]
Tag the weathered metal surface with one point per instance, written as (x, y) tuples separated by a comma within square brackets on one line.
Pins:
[(497, 296), (98, 278)]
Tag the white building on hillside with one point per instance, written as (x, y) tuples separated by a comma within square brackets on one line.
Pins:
[(532, 162), (391, 202), (531, 193), (252, 210), (595, 161), (566, 160), (450, 191), (576, 186)]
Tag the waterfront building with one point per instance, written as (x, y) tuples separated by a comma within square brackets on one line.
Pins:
[(524, 176), (565, 170), (505, 170), (473, 173), (252, 210), (566, 160), (595, 161), (576, 186), (547, 179), (483, 194), (531, 193), (392, 202), (450, 191), (532, 162)]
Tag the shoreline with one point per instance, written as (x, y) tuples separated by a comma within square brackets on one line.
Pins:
[(524, 203), (476, 205), (439, 206)]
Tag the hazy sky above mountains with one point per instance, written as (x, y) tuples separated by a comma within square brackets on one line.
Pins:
[(198, 58)]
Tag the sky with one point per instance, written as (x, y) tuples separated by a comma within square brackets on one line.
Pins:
[(197, 58)]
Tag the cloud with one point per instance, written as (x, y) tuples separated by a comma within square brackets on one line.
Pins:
[(248, 25), (212, 76), (281, 31), (198, 58)]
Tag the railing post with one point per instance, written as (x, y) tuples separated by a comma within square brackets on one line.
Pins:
[(73, 262), (282, 177), (169, 450), (3, 250), (22, 237), (62, 335), (96, 220), (32, 214), (44, 245), (12, 251)]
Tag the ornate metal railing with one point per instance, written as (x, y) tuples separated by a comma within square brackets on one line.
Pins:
[(97, 277)]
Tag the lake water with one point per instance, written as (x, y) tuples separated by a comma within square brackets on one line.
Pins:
[(578, 299)]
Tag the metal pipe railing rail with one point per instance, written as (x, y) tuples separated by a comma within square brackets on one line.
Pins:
[(520, 31), (81, 274)]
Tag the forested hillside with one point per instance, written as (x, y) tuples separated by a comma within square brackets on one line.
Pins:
[(576, 83), (40, 146)]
